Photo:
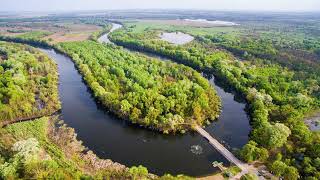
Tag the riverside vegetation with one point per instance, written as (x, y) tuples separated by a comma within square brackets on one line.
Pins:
[(279, 94), (164, 96), (40, 149), (28, 83), (161, 95), (105, 29), (45, 147)]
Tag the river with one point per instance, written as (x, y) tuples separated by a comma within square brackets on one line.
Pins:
[(116, 139), (104, 38)]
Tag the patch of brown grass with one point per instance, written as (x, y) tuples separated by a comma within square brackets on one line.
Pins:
[(62, 32)]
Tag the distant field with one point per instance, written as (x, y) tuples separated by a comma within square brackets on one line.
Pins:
[(193, 28), (266, 31), (53, 32)]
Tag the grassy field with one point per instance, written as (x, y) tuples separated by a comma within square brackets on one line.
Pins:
[(51, 32), (144, 25)]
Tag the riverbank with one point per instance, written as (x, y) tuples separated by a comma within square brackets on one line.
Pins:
[(93, 120), (51, 143), (103, 36), (58, 144), (65, 137)]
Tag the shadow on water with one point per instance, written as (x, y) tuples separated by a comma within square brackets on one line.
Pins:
[(233, 125)]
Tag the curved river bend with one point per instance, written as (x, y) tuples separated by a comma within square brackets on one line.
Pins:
[(112, 138)]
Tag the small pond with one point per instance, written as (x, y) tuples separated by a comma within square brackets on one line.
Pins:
[(177, 38), (215, 23)]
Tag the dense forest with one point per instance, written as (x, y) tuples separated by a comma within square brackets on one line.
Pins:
[(28, 83), (162, 95), (45, 148), (279, 96)]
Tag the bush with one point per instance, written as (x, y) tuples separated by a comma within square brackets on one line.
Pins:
[(138, 172), (250, 152)]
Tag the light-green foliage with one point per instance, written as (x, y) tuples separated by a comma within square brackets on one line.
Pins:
[(28, 83), (272, 136), (250, 152), (162, 95), (138, 172)]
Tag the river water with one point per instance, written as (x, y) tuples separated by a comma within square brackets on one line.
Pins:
[(104, 38), (112, 138)]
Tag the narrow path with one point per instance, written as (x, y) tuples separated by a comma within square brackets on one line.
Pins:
[(245, 168), (18, 120), (224, 151)]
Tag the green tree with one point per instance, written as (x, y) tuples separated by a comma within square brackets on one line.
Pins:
[(278, 168), (125, 106), (138, 172), (291, 173), (272, 136), (250, 152)]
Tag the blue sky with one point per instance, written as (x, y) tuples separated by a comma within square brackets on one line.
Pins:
[(68, 5)]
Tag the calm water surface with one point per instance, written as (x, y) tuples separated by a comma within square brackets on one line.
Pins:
[(104, 38), (112, 138), (177, 38)]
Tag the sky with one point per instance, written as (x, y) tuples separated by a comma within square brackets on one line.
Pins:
[(72, 5)]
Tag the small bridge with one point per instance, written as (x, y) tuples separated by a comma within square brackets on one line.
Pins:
[(245, 168), (224, 151)]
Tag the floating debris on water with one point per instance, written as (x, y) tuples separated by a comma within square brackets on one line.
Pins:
[(196, 149)]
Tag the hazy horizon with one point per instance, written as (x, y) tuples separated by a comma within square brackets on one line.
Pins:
[(227, 5)]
